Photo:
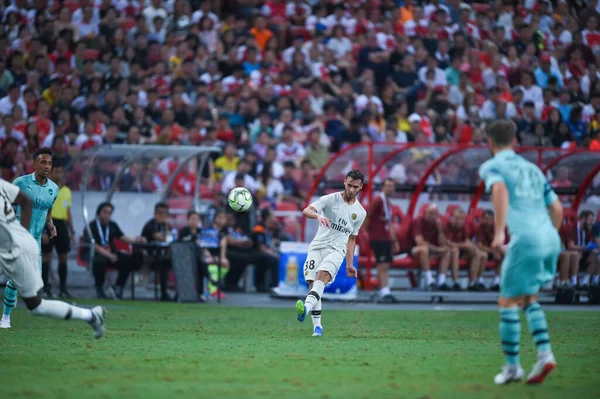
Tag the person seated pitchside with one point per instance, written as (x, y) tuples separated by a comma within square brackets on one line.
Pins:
[(204, 256), (457, 237), (105, 232), (427, 237), (568, 260), (483, 238), (158, 230)]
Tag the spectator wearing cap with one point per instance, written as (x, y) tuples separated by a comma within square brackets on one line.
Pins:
[(415, 126), (543, 72)]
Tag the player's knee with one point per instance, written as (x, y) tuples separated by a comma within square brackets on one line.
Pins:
[(32, 303), (323, 276)]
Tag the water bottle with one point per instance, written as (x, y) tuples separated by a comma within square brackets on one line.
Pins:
[(174, 235)]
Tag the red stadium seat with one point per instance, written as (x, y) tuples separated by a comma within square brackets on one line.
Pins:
[(180, 203), (122, 246), (301, 31), (91, 54), (570, 215), (286, 206), (397, 214), (72, 6), (423, 208), (450, 209), (127, 24)]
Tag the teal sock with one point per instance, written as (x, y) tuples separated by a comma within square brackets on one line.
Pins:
[(510, 334), (538, 326), (10, 298)]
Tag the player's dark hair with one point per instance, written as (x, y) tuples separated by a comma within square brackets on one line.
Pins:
[(389, 179), (585, 214), (161, 205), (502, 133), (103, 205), (488, 212), (356, 174), (42, 151)]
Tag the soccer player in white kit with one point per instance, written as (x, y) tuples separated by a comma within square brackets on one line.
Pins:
[(19, 261), (340, 216)]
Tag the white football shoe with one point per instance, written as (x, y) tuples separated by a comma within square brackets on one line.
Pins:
[(544, 365), (5, 322), (509, 374)]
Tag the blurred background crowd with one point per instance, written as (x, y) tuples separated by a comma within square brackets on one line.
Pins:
[(278, 85)]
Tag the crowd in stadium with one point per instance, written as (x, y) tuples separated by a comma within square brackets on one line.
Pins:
[(284, 82), (280, 85)]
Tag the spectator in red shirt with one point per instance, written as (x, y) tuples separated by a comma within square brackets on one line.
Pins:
[(484, 237), (427, 236), (457, 237), (383, 237)]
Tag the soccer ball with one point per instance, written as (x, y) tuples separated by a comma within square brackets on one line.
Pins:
[(239, 199)]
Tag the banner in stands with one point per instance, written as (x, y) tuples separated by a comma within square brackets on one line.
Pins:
[(291, 281)]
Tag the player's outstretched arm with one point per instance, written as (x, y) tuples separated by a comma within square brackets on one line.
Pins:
[(500, 204), (556, 213), (311, 213), (24, 202)]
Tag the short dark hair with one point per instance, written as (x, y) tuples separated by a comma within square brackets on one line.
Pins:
[(488, 212), (502, 132), (356, 174), (161, 205), (42, 151), (265, 213), (103, 205), (585, 214), (192, 212)]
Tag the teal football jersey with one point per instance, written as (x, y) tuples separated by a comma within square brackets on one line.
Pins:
[(43, 198), (529, 191)]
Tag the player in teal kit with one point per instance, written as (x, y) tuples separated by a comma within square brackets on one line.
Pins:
[(43, 193), (524, 201)]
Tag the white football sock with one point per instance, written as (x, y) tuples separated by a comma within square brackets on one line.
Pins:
[(585, 279), (480, 280), (314, 296), (441, 279), (384, 291), (61, 310), (574, 280), (595, 279), (428, 277), (496, 280), (315, 315)]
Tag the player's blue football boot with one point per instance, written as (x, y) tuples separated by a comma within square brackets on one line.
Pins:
[(318, 331), (301, 309)]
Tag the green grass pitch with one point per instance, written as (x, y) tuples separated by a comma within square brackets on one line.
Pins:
[(154, 350)]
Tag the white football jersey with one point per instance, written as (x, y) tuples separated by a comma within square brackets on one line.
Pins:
[(345, 221), (8, 194), (12, 233)]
